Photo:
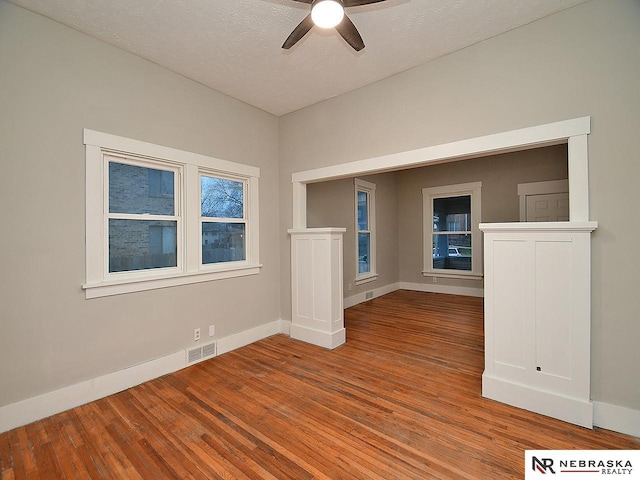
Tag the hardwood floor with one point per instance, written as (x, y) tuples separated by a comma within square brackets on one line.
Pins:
[(400, 400)]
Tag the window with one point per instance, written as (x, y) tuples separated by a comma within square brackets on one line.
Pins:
[(142, 226), (223, 219), (158, 217), (365, 231), (452, 241)]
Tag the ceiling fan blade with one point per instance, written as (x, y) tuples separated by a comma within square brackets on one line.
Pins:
[(300, 31), (350, 33), (357, 3), (308, 1)]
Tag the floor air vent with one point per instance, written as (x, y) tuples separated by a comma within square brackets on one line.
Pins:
[(202, 352)]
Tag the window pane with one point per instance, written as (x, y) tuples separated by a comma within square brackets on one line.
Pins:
[(221, 198), (141, 244), (364, 253), (134, 189), (363, 211), (452, 251), (452, 214), (223, 242), (160, 183)]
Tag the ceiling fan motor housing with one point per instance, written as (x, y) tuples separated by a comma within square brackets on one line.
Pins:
[(327, 13)]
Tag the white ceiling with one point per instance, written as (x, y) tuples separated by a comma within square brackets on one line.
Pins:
[(233, 46)]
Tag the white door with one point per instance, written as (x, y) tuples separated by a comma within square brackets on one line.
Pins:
[(552, 207)]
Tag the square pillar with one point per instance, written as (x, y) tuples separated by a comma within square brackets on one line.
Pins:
[(317, 314)]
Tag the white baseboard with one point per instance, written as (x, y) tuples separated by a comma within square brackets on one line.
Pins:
[(376, 292), (316, 337), (572, 410), (247, 337), (619, 419), (605, 415), (285, 327), (437, 288), (420, 287), (42, 406), (47, 404)]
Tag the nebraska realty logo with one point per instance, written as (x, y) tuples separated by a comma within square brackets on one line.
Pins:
[(584, 464)]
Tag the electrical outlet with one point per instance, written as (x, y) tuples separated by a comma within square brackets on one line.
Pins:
[(196, 335), (212, 330), (350, 287), (435, 279)]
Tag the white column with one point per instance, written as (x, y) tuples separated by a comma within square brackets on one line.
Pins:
[(578, 162), (299, 205), (317, 314)]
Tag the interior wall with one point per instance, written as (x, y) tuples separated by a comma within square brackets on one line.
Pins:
[(500, 176), (54, 82), (399, 208), (332, 204), (583, 61)]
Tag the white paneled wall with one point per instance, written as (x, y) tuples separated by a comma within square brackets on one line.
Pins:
[(316, 286), (538, 317)]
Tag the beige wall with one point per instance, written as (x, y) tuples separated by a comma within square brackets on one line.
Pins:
[(332, 204), (54, 82), (399, 208), (583, 61), (500, 176)]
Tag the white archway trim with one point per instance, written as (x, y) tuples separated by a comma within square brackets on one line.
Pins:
[(573, 131), (552, 278)]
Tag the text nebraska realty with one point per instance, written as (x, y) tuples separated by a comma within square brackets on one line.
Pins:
[(606, 467)]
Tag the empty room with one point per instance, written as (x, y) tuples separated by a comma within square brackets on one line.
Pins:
[(225, 256)]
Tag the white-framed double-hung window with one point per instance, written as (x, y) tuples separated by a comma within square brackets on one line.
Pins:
[(223, 218), (158, 217), (143, 216), (365, 219), (452, 239)]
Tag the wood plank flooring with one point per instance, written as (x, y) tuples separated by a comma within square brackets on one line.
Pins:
[(400, 400)]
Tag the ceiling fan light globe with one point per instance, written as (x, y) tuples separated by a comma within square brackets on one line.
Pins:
[(327, 13)]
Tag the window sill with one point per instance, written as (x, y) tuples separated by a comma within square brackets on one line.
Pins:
[(367, 279), (106, 289), (467, 276)]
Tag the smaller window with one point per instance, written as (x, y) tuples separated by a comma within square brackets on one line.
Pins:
[(223, 219), (365, 231), (452, 241)]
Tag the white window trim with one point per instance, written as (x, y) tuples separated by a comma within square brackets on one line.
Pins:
[(98, 282), (370, 189), (245, 220), (178, 216), (428, 195)]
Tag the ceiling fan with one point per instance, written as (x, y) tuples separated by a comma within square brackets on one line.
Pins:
[(328, 14)]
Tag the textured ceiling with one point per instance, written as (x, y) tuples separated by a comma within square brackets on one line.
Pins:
[(233, 46)]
